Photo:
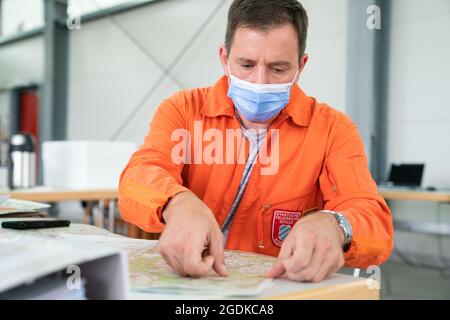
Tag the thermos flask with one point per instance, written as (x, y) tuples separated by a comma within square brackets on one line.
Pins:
[(22, 161)]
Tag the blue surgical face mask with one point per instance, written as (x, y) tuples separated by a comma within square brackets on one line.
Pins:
[(259, 102)]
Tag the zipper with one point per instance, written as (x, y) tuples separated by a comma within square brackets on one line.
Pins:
[(260, 224)]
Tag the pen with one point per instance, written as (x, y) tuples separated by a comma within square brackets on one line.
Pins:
[(35, 224)]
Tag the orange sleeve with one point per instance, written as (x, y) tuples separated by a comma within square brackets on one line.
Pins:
[(151, 178), (348, 187)]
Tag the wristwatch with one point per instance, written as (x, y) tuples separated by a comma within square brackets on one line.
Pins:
[(345, 225)]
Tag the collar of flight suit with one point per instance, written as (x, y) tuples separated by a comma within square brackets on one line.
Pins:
[(218, 103)]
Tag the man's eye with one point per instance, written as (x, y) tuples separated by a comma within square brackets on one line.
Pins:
[(278, 70), (247, 66)]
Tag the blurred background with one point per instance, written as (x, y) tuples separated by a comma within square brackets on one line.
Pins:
[(92, 73)]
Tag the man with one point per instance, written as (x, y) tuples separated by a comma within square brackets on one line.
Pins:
[(315, 206)]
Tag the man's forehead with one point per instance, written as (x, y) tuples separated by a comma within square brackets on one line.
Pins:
[(276, 45)]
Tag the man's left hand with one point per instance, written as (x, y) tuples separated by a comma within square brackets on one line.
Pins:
[(312, 251)]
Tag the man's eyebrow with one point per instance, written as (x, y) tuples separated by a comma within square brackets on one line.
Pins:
[(245, 61), (280, 64)]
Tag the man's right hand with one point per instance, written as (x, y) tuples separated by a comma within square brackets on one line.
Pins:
[(192, 242)]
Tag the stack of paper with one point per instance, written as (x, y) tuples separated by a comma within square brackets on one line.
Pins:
[(35, 266), (13, 208)]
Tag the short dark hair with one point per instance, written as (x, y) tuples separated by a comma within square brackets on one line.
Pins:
[(265, 15)]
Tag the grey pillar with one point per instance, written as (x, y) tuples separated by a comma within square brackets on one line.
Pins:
[(1, 18), (382, 85), (53, 103), (367, 67), (53, 109)]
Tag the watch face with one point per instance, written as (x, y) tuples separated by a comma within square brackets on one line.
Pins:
[(348, 233), (346, 226)]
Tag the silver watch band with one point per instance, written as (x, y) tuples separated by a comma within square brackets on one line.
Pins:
[(344, 224)]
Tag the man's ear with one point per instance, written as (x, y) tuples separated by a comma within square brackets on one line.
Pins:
[(302, 63), (223, 55)]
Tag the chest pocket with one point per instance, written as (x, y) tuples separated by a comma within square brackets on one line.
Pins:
[(300, 203)]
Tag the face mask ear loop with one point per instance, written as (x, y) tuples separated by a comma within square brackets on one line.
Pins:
[(295, 77), (229, 73), (230, 76)]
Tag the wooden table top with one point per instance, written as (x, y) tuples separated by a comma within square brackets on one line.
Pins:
[(49, 195)]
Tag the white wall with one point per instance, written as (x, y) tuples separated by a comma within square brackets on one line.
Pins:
[(22, 62), (21, 15), (419, 110), (24, 15), (4, 113), (325, 75), (419, 87), (109, 75), (88, 6)]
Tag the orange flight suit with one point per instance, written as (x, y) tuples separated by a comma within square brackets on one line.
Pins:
[(322, 165)]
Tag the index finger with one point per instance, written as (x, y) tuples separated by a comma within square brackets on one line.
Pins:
[(217, 251), (279, 269), (302, 255)]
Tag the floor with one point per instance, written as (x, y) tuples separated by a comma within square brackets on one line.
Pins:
[(407, 282), (402, 281)]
